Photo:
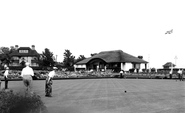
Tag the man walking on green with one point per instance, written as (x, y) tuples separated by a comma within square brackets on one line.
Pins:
[(27, 74)]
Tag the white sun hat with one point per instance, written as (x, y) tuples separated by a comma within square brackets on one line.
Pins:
[(55, 68), (27, 64)]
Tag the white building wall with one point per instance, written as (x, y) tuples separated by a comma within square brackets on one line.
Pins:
[(142, 66), (128, 66), (137, 66), (80, 66), (123, 66), (29, 60)]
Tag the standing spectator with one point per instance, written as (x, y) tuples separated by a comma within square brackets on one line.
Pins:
[(121, 73), (49, 82), (180, 74), (6, 77), (171, 74), (27, 74)]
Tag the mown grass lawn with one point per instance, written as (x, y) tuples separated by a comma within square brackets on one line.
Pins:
[(108, 95)]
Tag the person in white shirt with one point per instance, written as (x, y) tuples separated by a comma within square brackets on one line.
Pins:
[(179, 74), (121, 73), (170, 74), (27, 74), (182, 75), (6, 77), (49, 82)]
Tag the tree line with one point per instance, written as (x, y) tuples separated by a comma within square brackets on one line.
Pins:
[(46, 59)]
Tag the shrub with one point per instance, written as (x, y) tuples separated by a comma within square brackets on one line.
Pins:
[(15, 103), (131, 70)]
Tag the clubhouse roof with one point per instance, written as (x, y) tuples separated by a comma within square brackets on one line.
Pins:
[(116, 56)]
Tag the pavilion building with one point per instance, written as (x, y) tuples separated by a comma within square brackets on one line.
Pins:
[(116, 60)]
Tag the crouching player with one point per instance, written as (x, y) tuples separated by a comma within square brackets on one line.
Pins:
[(49, 82)]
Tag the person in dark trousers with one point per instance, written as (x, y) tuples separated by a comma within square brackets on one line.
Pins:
[(49, 82), (171, 72), (121, 73), (6, 77), (180, 74), (27, 74)]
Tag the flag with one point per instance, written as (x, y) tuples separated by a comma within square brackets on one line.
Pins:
[(169, 32)]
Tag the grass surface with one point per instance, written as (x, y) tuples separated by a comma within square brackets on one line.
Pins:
[(108, 95)]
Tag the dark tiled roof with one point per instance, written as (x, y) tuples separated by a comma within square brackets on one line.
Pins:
[(114, 56), (169, 64), (30, 52)]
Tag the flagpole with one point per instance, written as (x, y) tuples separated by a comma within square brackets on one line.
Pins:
[(169, 32)]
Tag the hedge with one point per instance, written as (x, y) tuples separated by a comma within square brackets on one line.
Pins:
[(11, 102)]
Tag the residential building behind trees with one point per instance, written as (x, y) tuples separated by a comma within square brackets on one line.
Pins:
[(16, 57)]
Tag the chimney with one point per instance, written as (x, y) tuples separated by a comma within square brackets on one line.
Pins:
[(33, 47), (140, 57), (16, 47)]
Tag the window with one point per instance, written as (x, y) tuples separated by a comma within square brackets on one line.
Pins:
[(23, 51), (34, 64), (34, 58), (15, 58)]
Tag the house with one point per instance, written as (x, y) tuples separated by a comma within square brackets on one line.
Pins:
[(21, 55), (116, 60)]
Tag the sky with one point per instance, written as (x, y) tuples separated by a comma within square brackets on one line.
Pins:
[(136, 27)]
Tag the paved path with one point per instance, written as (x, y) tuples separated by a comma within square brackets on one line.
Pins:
[(108, 95)]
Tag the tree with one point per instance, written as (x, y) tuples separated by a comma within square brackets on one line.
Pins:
[(80, 58), (69, 60), (47, 58), (153, 69), (5, 54)]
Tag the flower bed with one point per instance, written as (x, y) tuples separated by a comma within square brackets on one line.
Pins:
[(42, 74)]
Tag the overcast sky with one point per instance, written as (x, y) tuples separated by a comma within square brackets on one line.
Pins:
[(136, 27)]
